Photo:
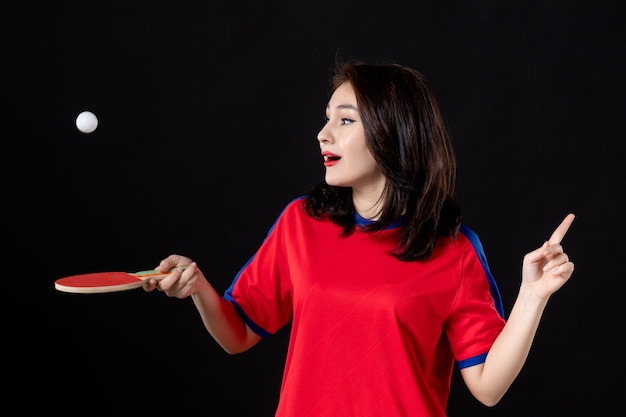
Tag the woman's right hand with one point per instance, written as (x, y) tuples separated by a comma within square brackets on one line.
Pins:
[(184, 277)]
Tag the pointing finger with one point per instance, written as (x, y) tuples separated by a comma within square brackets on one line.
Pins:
[(560, 231)]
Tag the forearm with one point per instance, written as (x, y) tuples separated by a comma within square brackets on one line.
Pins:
[(223, 322), (510, 350)]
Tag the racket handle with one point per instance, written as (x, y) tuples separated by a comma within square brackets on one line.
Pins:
[(152, 273)]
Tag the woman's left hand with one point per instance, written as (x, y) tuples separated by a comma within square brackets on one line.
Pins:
[(548, 268)]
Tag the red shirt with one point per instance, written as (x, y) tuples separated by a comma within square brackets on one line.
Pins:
[(371, 335)]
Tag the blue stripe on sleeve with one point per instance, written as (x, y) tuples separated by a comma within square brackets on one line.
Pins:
[(478, 247), (472, 361)]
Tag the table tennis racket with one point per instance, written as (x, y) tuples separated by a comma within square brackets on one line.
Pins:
[(103, 282)]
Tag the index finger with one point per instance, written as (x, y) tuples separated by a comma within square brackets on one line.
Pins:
[(560, 231)]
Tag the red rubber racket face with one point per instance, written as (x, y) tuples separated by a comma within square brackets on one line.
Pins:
[(99, 282)]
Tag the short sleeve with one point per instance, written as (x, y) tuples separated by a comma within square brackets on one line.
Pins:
[(262, 291), (477, 316)]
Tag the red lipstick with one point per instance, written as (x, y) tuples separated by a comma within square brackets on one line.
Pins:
[(330, 158)]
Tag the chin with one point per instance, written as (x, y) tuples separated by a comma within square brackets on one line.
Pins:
[(334, 182)]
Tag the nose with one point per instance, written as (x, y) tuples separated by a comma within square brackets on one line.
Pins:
[(324, 135)]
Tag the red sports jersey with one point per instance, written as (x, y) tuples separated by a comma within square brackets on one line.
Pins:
[(371, 335)]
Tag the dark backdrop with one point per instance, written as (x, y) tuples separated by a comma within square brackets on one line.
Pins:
[(208, 117)]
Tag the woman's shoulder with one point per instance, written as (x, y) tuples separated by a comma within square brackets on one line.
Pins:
[(468, 232), (296, 204), (472, 240), (294, 207)]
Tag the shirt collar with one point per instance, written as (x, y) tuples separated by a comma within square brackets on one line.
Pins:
[(362, 221)]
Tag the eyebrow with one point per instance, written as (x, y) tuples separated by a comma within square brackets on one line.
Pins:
[(344, 106)]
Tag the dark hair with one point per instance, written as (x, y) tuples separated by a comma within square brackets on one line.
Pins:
[(407, 137)]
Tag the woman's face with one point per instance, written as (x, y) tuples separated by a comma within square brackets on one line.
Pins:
[(348, 161)]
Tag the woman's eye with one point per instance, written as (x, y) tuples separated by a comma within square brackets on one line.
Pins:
[(343, 121)]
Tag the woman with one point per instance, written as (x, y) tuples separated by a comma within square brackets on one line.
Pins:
[(385, 288)]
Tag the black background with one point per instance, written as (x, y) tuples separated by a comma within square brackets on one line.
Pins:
[(208, 117)]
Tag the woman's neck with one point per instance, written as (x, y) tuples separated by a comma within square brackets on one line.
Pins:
[(368, 202)]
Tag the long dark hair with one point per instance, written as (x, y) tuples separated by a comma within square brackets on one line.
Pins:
[(407, 137)]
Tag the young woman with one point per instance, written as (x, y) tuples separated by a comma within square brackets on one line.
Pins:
[(385, 287)]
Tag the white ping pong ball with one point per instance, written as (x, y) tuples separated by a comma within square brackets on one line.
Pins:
[(86, 122)]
